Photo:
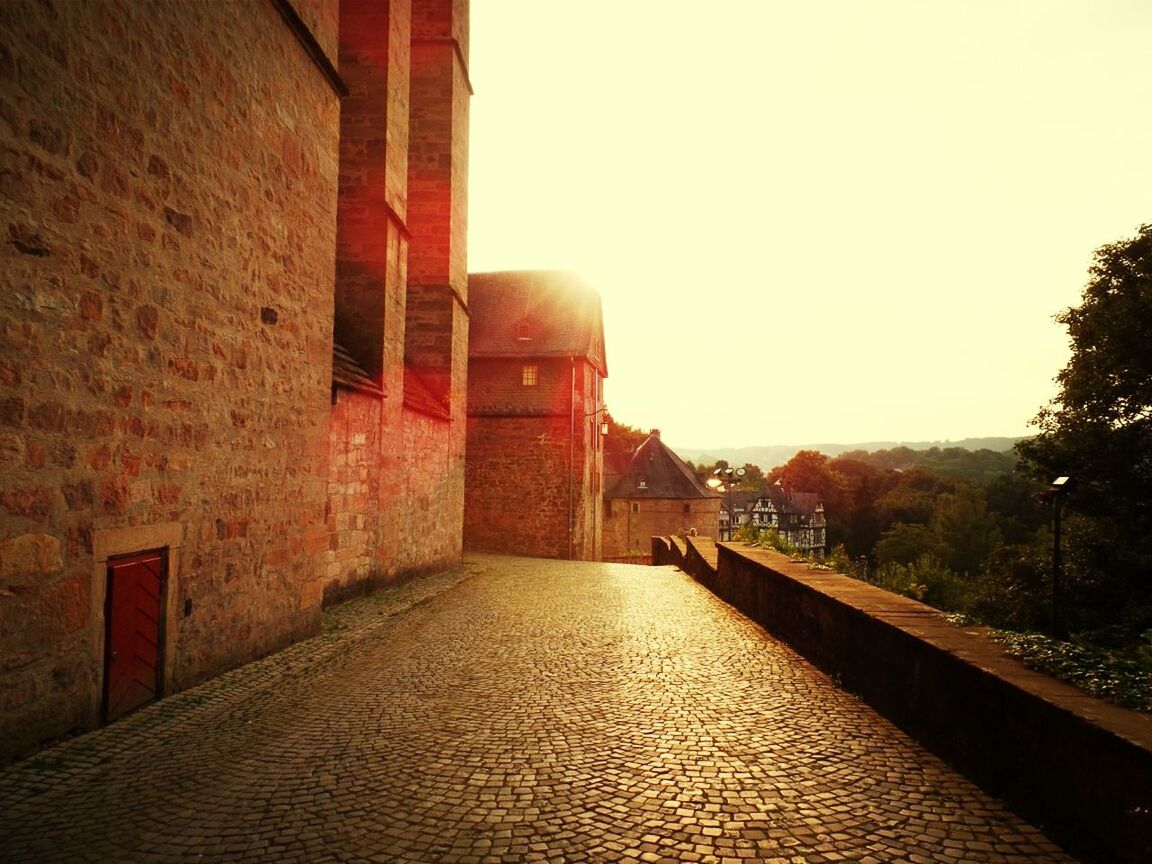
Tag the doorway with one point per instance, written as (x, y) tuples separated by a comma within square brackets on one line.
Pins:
[(134, 632)]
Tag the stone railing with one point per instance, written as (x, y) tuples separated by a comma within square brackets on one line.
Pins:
[(1078, 767)]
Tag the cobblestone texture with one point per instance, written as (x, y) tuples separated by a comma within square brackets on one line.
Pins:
[(518, 710)]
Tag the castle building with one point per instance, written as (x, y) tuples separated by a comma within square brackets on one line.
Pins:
[(535, 406), (233, 333), (654, 494)]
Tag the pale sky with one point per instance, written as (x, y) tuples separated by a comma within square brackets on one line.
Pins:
[(838, 221)]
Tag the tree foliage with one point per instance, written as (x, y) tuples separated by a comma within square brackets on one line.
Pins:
[(1098, 431), (621, 441), (752, 481)]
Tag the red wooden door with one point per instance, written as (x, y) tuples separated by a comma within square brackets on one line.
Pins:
[(134, 634)]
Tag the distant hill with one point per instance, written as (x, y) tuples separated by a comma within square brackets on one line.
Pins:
[(769, 456)]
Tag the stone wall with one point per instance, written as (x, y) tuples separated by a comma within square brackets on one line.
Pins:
[(1077, 766), (396, 502), (535, 460), (189, 212), (517, 491), (354, 561), (630, 523), (168, 185)]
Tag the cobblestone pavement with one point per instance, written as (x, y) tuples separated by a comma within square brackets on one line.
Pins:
[(519, 710)]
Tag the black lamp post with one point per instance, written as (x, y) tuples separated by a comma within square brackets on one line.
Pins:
[(1057, 491), (727, 477)]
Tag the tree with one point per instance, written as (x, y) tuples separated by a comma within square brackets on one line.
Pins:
[(810, 471), (902, 543), (966, 531), (621, 441), (1098, 428), (752, 481), (913, 497)]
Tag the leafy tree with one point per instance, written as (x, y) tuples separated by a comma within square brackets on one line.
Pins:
[(621, 441), (752, 481), (913, 497), (1014, 591), (859, 524), (926, 579), (1098, 431), (1013, 499), (902, 543), (966, 531)]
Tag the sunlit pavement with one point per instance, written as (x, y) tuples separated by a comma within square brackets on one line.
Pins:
[(521, 710)]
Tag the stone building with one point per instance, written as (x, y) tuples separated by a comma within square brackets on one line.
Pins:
[(203, 205), (654, 494), (535, 405)]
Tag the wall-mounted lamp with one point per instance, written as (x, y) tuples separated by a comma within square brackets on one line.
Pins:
[(603, 423)]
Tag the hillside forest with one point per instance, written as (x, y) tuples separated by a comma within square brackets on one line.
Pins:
[(972, 531), (961, 530)]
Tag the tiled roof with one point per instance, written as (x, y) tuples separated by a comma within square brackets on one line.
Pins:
[(535, 313), (787, 501), (346, 372), (661, 472)]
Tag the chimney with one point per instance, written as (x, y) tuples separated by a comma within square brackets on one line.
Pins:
[(655, 433)]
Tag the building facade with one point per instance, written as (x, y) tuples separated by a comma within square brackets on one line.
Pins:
[(654, 494), (191, 228), (798, 517), (537, 363)]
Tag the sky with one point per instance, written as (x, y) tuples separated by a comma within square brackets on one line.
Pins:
[(822, 221)]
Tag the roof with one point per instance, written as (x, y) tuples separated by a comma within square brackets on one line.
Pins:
[(346, 372), (787, 501), (663, 473), (741, 500), (535, 313)]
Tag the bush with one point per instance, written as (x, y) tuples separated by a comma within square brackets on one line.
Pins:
[(928, 580), (767, 538), (1123, 678)]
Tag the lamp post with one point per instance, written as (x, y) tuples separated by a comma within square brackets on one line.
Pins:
[(727, 477), (1057, 491)]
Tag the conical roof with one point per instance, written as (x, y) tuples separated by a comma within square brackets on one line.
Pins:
[(655, 471)]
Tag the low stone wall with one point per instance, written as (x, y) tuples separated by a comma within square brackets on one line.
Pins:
[(1077, 766)]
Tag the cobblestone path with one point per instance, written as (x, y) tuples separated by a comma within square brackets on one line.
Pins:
[(520, 710)]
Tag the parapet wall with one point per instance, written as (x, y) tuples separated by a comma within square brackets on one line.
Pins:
[(1075, 765)]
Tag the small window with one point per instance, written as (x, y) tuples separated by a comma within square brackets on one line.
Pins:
[(687, 508), (642, 483), (523, 330), (530, 376), (635, 507)]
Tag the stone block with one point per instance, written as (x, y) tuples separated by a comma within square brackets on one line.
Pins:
[(29, 557)]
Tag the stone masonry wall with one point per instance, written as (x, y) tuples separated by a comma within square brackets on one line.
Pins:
[(167, 199), (1076, 766), (389, 513), (630, 523), (432, 533), (521, 442), (436, 323), (352, 560), (517, 492), (396, 499)]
